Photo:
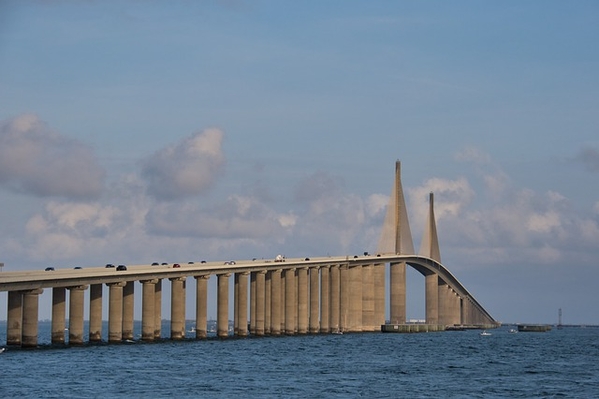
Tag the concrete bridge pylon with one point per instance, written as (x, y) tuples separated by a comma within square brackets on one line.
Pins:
[(429, 246), (396, 236)]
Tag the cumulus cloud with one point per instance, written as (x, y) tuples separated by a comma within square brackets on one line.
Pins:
[(187, 168), (451, 197), (35, 160), (335, 220), (239, 217), (67, 229)]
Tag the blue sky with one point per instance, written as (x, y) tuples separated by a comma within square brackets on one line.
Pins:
[(138, 131)]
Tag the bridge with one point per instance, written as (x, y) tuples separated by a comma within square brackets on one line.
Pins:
[(271, 297)]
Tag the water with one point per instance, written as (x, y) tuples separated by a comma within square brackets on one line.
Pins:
[(462, 364)]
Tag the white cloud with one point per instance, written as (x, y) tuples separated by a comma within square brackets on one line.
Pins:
[(35, 160), (65, 230), (187, 168), (238, 217), (450, 196), (543, 222)]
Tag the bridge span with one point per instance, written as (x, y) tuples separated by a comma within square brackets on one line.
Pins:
[(295, 296)]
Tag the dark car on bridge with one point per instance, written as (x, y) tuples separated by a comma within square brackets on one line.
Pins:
[(121, 268), (49, 269)]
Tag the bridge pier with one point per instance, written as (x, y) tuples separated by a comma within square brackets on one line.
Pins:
[(14, 316), (241, 304), (128, 310), (260, 303), (58, 315), (344, 298), (443, 296), (314, 325), (325, 300), (290, 304), (302, 300), (30, 318), (275, 301), (178, 308), (202, 306), (222, 305), (158, 309), (379, 295), (397, 287), (354, 299), (335, 295), (115, 312), (267, 302), (95, 313), (253, 304), (148, 291), (76, 304), (368, 289), (432, 298)]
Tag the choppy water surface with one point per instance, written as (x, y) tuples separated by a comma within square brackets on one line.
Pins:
[(560, 363)]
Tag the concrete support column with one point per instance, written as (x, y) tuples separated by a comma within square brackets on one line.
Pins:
[(202, 306), (260, 302), (253, 303), (290, 304), (325, 300), (296, 301), (355, 300), (14, 316), (242, 300), (115, 312), (148, 291), (222, 306), (462, 304), (397, 282), (344, 298), (30, 318), (158, 309), (431, 282), (58, 315), (368, 298), (283, 299), (456, 310), (466, 311), (302, 300), (335, 291), (178, 308), (275, 302), (128, 309), (76, 304), (314, 327), (379, 295), (443, 295), (95, 313), (235, 303), (267, 302)]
